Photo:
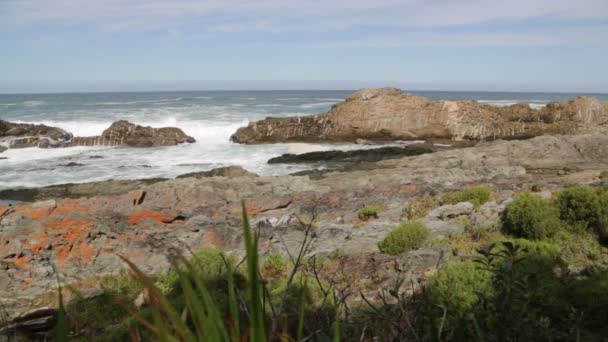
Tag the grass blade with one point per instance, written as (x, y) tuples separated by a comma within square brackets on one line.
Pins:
[(255, 292)]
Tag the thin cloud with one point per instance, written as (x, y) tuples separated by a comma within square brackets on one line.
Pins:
[(285, 15)]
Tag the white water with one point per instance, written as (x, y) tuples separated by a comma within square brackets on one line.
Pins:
[(209, 117)]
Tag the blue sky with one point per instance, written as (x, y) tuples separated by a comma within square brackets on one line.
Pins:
[(93, 45)]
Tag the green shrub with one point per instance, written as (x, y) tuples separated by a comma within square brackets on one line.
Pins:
[(403, 238), (274, 265), (210, 264), (457, 287), (531, 216), (537, 187), (579, 206), (604, 175), (369, 211), (477, 195), (602, 224)]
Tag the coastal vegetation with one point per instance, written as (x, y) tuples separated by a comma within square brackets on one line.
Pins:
[(404, 238), (543, 278), (477, 195)]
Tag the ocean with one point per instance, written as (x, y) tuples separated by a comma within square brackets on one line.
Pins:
[(209, 116)]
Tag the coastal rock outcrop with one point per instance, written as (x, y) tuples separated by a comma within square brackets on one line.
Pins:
[(126, 133), (387, 114), (19, 135)]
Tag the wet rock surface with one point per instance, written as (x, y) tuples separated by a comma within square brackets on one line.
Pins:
[(77, 232), (387, 114), (126, 133), (356, 156), (16, 135)]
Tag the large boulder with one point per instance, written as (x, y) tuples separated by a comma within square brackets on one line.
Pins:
[(126, 133), (19, 135), (388, 114)]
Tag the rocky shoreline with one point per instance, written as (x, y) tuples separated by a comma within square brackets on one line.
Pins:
[(77, 232), (81, 229)]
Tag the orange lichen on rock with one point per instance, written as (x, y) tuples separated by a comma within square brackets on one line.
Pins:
[(69, 223), (142, 214), (34, 213), (68, 205), (210, 239), (21, 262)]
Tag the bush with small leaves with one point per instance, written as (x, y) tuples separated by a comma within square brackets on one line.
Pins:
[(531, 216), (476, 195), (602, 224), (369, 211), (274, 265), (457, 287), (537, 187), (604, 175), (403, 238), (579, 206)]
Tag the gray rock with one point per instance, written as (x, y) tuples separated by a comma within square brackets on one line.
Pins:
[(228, 171), (446, 212)]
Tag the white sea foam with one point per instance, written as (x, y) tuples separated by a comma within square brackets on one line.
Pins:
[(32, 103), (329, 99), (134, 102), (318, 104), (504, 103)]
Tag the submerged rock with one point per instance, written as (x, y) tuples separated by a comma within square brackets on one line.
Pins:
[(387, 114)]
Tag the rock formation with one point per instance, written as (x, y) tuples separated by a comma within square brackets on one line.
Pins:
[(387, 114), (18, 135), (15, 135), (355, 156), (126, 133)]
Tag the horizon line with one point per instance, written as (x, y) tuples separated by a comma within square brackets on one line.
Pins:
[(301, 89)]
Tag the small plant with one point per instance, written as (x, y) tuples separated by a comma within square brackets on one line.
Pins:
[(418, 208), (477, 195), (604, 175), (368, 212), (167, 282), (458, 287), (537, 187), (403, 238), (274, 265), (579, 206), (531, 216)]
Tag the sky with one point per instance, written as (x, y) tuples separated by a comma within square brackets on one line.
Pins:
[(119, 45)]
